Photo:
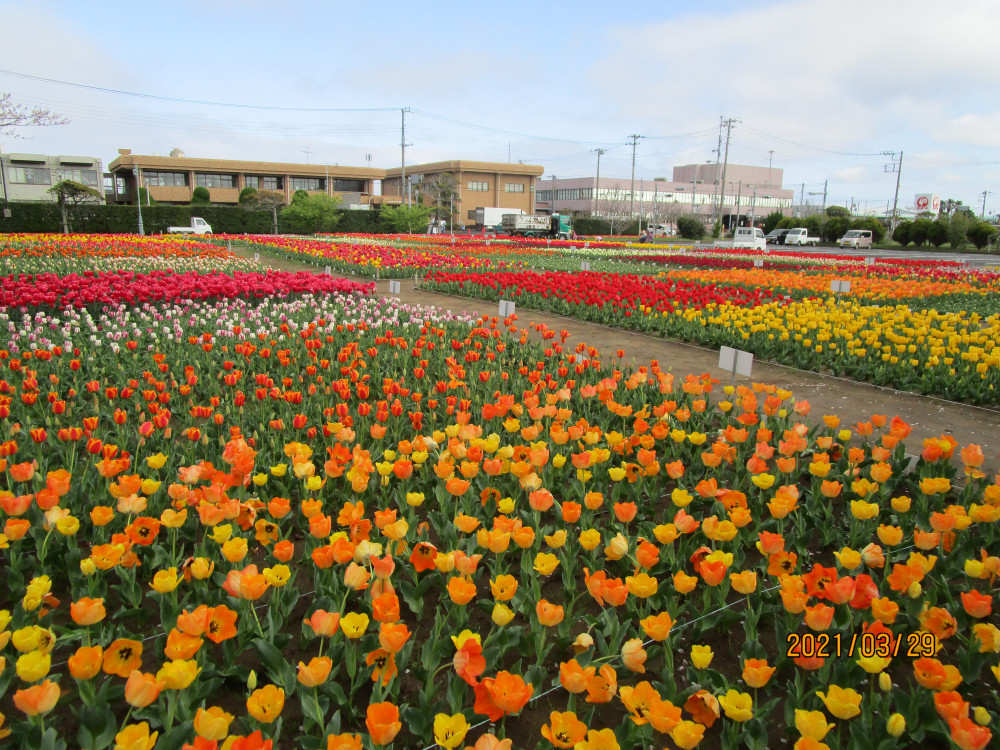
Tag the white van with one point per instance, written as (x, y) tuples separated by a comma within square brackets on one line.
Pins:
[(749, 237), (860, 239)]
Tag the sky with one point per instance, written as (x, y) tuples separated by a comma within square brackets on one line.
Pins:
[(821, 90)]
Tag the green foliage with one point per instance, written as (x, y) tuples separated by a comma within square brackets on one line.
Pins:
[(837, 212), (690, 228), (835, 228), (877, 228), (144, 197), (69, 195), (772, 220), (248, 195), (591, 226), (314, 213), (405, 219), (717, 229), (359, 222), (902, 233), (300, 195), (630, 228), (200, 196), (981, 234), (918, 231), (961, 221), (937, 235)]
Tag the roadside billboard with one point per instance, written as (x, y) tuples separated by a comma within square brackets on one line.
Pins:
[(927, 202)]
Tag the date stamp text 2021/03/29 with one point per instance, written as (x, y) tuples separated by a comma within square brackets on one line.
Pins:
[(882, 645)]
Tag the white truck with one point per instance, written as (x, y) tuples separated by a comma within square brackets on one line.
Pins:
[(800, 236), (555, 227), (198, 226), (493, 217)]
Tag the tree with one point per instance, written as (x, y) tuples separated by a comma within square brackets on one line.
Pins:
[(835, 228), (937, 235), (300, 195), (312, 214), (201, 197), (269, 200), (918, 231), (837, 212), (14, 116), (961, 221), (690, 228), (405, 219), (950, 205), (613, 206), (771, 221), (248, 195), (439, 190), (981, 234), (71, 194), (902, 233)]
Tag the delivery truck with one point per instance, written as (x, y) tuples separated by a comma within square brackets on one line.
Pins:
[(198, 226), (554, 227), (492, 217)]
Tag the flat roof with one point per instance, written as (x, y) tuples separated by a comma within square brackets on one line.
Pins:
[(187, 163), (463, 165)]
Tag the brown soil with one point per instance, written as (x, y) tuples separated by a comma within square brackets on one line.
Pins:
[(850, 400)]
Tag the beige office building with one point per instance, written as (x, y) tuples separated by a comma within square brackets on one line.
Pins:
[(478, 184), (172, 179)]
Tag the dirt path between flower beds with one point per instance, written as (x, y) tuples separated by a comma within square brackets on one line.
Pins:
[(850, 400)]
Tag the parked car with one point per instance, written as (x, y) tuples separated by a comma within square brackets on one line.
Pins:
[(800, 236), (776, 236), (859, 239), (749, 237)]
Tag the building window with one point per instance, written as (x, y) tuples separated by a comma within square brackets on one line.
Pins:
[(307, 183), (479, 187), (273, 183), (83, 176), (165, 179), (215, 180), (544, 196), (251, 180), (29, 176), (513, 187), (349, 186)]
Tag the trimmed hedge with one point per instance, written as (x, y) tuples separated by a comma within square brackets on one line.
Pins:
[(98, 218)]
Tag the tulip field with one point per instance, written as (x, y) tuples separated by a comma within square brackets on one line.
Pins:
[(244, 508)]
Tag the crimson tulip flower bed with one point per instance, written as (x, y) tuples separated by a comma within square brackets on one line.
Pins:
[(602, 297)]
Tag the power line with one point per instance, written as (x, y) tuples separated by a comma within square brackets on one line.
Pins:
[(158, 97)]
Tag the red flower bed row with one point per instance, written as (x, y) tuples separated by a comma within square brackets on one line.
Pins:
[(592, 289), (80, 290)]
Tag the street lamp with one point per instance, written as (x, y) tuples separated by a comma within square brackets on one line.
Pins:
[(138, 199)]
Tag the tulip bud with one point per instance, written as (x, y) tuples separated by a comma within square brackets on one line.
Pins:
[(252, 680), (981, 715), (914, 591), (87, 566), (884, 682), (896, 725)]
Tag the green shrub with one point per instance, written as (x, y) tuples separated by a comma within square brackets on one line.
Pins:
[(981, 234), (690, 228), (200, 196)]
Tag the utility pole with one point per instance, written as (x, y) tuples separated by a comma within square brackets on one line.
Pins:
[(725, 164), (306, 151), (770, 161), (631, 197), (552, 211), (402, 145), (802, 200), (983, 214), (897, 167), (718, 156), (597, 182)]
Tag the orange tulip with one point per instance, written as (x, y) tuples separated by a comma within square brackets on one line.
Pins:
[(382, 720), (503, 695), (603, 686), (266, 703), (634, 655), (549, 614), (573, 677), (460, 590), (316, 671), (122, 656), (38, 699), (87, 611), (141, 689), (566, 729), (86, 662), (703, 707), (756, 672)]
